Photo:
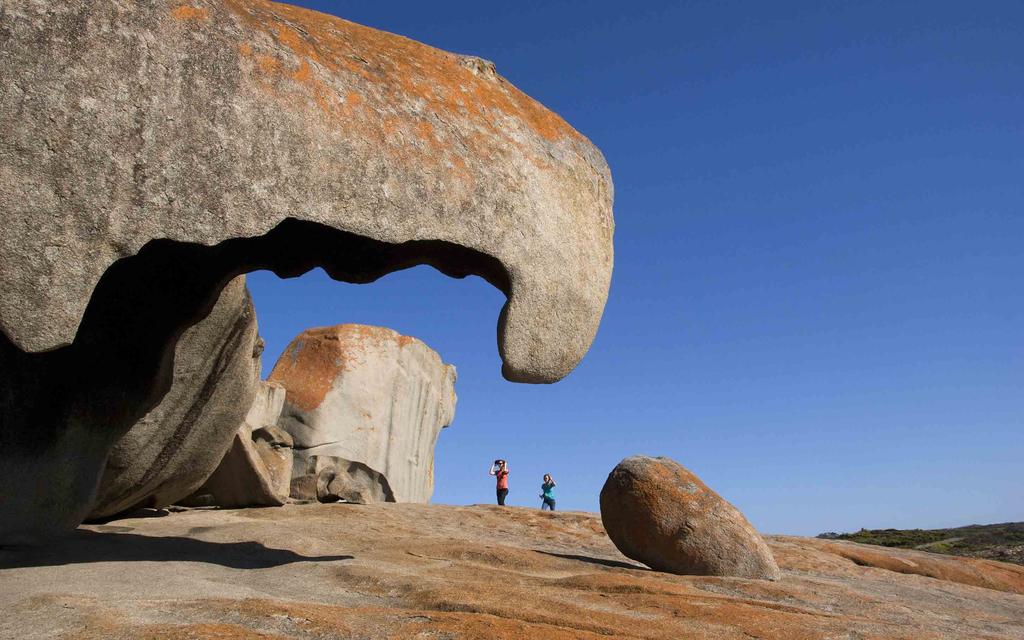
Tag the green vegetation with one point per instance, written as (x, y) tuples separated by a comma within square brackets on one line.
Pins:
[(1003, 542)]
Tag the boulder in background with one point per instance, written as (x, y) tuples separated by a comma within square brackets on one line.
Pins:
[(369, 395)]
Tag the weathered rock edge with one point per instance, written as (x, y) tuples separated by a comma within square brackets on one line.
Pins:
[(256, 471)]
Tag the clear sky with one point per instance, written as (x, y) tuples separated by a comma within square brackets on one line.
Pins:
[(817, 301)]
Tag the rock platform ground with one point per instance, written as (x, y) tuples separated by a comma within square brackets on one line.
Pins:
[(431, 571)]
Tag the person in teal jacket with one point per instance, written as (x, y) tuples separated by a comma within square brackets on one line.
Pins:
[(548, 495)]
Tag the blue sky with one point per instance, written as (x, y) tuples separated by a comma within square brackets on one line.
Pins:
[(817, 300)]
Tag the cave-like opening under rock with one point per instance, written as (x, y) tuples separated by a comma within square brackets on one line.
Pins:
[(63, 409)]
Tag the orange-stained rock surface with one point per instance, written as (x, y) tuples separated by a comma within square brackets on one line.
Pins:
[(431, 571), (974, 571), (446, 83), (658, 512), (317, 356)]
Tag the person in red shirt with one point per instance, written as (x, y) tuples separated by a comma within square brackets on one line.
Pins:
[(500, 471)]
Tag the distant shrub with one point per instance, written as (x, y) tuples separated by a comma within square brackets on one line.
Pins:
[(999, 541)]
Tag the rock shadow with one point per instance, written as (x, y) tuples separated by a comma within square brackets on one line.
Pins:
[(91, 546), (617, 564)]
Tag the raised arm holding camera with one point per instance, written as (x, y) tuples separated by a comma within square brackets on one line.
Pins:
[(500, 471)]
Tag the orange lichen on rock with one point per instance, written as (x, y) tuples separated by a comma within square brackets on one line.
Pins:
[(438, 77), (268, 64), (188, 12), (332, 56), (303, 73), (307, 369), (317, 356), (660, 513)]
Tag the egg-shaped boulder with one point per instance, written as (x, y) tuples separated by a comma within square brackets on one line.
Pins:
[(659, 513)]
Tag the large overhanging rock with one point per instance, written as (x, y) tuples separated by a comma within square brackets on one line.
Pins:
[(369, 395), (170, 452), (151, 152), (208, 121)]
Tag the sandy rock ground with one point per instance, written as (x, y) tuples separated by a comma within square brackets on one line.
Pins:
[(429, 571)]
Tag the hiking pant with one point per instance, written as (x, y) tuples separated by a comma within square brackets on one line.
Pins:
[(549, 503), (501, 496)]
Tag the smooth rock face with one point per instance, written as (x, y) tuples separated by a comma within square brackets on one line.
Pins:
[(266, 405), (170, 452), (369, 395), (657, 512), (163, 149), (255, 472)]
